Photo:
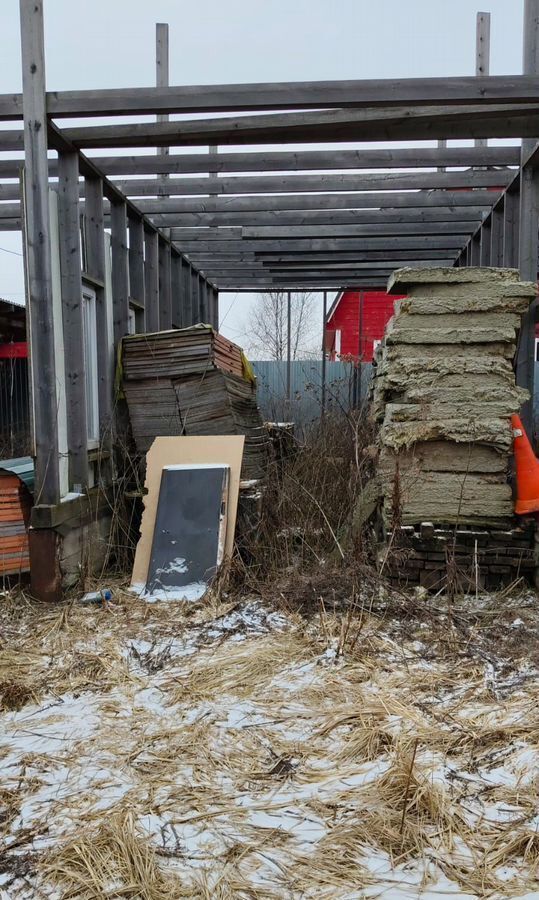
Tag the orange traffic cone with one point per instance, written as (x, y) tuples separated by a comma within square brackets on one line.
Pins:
[(527, 469)]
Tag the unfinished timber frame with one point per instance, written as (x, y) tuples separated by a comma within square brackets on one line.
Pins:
[(150, 238)]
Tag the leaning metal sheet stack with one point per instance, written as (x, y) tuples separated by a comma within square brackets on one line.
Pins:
[(15, 506), (443, 393), (192, 381)]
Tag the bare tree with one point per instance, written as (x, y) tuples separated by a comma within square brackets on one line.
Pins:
[(268, 331)]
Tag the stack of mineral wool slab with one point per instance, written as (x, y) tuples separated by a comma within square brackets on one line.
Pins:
[(444, 391)]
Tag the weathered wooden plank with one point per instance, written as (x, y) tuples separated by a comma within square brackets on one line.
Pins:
[(369, 124), (482, 53), (136, 260), (278, 184), (120, 271), (38, 258), (72, 316), (310, 244), (165, 288), (418, 200), (151, 275), (374, 200), (471, 215), (95, 267), (292, 95), (289, 161), (233, 233)]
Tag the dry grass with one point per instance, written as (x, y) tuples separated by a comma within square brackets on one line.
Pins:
[(210, 751), (112, 859)]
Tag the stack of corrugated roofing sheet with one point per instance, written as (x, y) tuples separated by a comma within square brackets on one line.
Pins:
[(193, 381), (16, 477)]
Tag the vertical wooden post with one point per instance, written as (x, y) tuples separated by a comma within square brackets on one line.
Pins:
[(476, 248), (38, 254), (162, 75), (176, 289), (288, 347), (486, 230), (510, 228), (188, 314), (529, 224), (482, 54), (136, 270), (195, 297), (215, 293), (151, 275), (120, 270), (496, 235), (72, 318), (165, 296), (324, 317), (95, 256)]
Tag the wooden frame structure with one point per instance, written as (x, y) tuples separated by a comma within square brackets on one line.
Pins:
[(185, 225)]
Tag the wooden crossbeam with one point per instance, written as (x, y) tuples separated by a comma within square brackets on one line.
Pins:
[(277, 184), (309, 244), (471, 215), (284, 95), (289, 161), (374, 200), (234, 233), (366, 124)]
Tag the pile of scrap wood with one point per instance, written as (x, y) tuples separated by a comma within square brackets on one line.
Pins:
[(444, 391), (192, 381), (15, 507)]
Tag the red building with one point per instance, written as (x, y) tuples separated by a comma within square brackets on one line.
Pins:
[(356, 322)]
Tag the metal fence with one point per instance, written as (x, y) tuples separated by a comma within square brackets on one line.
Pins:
[(14, 408), (305, 403)]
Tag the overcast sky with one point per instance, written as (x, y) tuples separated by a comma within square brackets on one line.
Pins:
[(111, 43)]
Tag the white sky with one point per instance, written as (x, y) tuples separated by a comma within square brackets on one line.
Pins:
[(111, 43)]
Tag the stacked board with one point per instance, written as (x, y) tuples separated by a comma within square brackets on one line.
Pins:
[(192, 382), (15, 506), (443, 393)]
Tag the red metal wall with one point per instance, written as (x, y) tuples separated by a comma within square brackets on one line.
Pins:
[(376, 310)]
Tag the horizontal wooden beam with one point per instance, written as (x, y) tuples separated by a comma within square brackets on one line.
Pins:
[(163, 210), (289, 161), (235, 233), (389, 265), (319, 255), (310, 244), (472, 215), (277, 184), (374, 200), (366, 124), (281, 95)]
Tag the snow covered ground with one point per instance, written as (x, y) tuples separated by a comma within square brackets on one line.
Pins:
[(203, 750)]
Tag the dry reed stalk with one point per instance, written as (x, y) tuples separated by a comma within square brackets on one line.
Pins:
[(113, 859)]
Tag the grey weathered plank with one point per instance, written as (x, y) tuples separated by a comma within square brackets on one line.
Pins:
[(306, 244), (233, 233), (38, 259), (95, 266), (120, 271), (369, 124), (482, 53), (289, 161), (151, 276), (267, 184), (292, 95), (165, 288), (136, 260), (374, 200), (72, 317), (472, 215)]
